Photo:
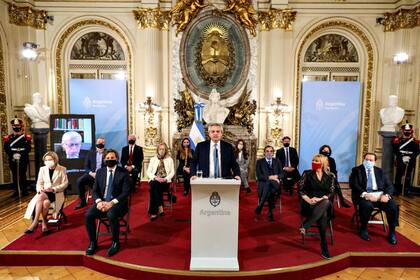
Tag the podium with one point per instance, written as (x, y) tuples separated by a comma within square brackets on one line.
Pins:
[(214, 224)]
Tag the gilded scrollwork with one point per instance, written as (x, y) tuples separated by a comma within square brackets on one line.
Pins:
[(244, 12), (3, 109), (243, 111), (215, 56), (276, 19), (331, 48), (184, 107), (152, 18), (184, 11), (402, 19), (27, 16)]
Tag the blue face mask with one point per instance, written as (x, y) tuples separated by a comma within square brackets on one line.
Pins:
[(368, 164)]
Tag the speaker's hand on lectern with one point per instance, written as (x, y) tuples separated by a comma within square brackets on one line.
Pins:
[(193, 177)]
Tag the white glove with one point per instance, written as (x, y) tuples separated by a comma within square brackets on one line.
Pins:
[(406, 159)]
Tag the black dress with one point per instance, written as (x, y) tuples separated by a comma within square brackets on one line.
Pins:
[(182, 162), (51, 195)]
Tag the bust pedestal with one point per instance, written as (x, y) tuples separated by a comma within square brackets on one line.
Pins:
[(387, 153), (40, 146)]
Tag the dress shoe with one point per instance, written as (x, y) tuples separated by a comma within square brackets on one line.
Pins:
[(91, 249), (45, 231), (258, 209), (270, 216), (153, 217), (324, 251), (248, 190), (115, 247), (364, 234), (80, 205), (162, 214), (392, 238), (29, 231)]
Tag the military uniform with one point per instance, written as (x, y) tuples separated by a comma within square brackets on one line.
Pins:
[(406, 149), (18, 144)]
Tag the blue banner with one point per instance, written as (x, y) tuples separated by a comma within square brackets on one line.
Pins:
[(107, 100), (330, 115)]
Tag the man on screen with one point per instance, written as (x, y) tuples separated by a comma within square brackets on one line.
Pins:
[(71, 142)]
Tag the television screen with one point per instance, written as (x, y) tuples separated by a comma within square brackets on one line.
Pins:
[(71, 137)]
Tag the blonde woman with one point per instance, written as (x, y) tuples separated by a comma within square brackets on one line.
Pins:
[(315, 188), (160, 172), (50, 186)]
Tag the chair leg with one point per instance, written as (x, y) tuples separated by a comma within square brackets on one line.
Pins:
[(383, 221), (331, 233)]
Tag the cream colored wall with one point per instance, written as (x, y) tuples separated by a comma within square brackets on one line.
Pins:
[(277, 50)]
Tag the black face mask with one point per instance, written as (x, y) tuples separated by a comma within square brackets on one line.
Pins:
[(286, 144), (407, 133), (327, 154), (100, 146), (16, 129), (111, 162), (131, 142)]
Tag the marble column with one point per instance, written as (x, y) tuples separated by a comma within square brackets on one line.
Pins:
[(387, 154)]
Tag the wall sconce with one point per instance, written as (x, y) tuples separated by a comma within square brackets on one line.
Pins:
[(400, 58), (152, 118), (30, 50)]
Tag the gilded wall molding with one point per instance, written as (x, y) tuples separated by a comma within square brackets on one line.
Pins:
[(276, 19), (245, 13), (27, 16), (184, 12), (402, 19), (59, 71), (152, 18), (3, 110), (367, 92)]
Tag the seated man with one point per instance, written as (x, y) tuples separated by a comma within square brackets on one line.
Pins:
[(269, 173), (289, 160), (132, 159), (371, 188), (110, 194)]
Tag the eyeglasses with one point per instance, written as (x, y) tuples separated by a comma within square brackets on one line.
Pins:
[(73, 144)]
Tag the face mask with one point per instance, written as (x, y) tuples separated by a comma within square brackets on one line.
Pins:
[(327, 154), (111, 162), (407, 133), (16, 129), (100, 146), (240, 146), (186, 145), (316, 165), (269, 157), (286, 145), (368, 164), (131, 142), (49, 163)]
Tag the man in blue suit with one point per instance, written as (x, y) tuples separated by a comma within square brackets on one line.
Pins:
[(215, 157), (93, 162), (110, 195)]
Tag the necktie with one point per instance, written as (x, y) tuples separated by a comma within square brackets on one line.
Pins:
[(269, 163), (369, 181), (130, 157), (216, 162), (287, 157), (108, 196)]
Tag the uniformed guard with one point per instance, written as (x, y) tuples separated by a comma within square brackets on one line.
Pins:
[(406, 149), (17, 146)]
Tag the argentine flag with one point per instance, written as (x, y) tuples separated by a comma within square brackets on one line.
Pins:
[(197, 133)]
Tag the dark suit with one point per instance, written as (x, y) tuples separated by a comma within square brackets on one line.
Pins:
[(290, 177), (86, 179), (358, 185), (120, 191), (137, 161), (268, 188), (201, 160)]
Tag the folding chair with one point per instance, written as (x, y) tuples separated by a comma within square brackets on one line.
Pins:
[(376, 211)]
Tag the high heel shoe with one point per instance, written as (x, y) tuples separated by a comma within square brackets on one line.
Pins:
[(29, 231), (45, 231)]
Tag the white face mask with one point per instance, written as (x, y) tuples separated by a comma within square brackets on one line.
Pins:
[(49, 163)]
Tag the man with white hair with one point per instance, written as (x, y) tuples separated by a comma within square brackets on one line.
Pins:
[(71, 142)]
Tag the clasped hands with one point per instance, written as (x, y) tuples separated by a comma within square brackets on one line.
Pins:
[(104, 206), (314, 200), (274, 178), (383, 198)]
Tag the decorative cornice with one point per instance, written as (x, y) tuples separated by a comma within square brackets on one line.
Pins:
[(367, 91), (276, 18), (27, 16), (59, 67), (152, 18), (402, 19)]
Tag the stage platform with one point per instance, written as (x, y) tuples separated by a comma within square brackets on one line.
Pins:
[(161, 249)]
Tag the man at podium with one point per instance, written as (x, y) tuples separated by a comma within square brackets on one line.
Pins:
[(215, 158)]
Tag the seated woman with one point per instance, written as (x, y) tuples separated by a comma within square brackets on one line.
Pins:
[(52, 181), (326, 151), (160, 173), (184, 158), (315, 188), (241, 155)]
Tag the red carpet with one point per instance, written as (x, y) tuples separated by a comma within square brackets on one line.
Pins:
[(263, 245)]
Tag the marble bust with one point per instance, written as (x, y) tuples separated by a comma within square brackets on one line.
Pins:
[(391, 115), (215, 111), (37, 112)]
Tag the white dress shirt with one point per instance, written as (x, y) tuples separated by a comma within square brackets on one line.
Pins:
[(211, 166)]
